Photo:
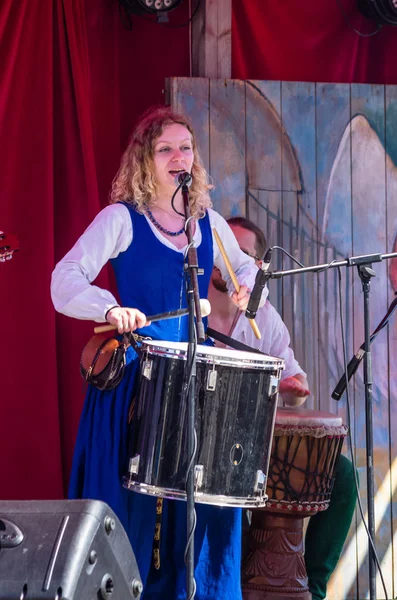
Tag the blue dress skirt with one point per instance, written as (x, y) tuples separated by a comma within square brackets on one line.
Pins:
[(150, 276)]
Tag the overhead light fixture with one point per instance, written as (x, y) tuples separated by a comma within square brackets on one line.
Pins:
[(153, 7), (382, 11)]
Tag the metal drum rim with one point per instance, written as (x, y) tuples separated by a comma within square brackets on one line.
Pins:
[(243, 359), (199, 497)]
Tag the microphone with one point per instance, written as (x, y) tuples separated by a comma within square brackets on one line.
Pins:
[(266, 261), (183, 178), (260, 282), (351, 369), (205, 307)]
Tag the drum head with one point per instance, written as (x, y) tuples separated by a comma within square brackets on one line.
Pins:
[(211, 354), (301, 417)]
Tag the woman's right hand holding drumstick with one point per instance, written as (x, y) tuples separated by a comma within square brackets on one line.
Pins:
[(126, 319)]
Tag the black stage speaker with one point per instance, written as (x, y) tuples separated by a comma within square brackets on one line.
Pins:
[(65, 550)]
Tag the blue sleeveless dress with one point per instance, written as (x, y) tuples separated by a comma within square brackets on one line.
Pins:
[(150, 276)]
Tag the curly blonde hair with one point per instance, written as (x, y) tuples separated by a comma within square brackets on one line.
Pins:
[(135, 182)]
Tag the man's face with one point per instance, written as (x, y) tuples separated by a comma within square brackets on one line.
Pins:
[(246, 241)]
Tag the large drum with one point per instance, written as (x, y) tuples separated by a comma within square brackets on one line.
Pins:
[(236, 397), (305, 452)]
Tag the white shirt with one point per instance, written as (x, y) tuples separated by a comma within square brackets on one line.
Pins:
[(275, 338), (109, 234)]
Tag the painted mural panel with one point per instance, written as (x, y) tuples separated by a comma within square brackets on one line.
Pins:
[(227, 131), (369, 232), (333, 174), (191, 96), (391, 225), (315, 166)]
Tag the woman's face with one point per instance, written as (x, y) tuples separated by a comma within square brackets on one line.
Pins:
[(172, 153)]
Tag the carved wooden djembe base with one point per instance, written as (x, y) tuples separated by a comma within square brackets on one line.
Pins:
[(306, 448), (275, 565)]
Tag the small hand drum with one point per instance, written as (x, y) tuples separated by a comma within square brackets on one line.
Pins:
[(305, 452)]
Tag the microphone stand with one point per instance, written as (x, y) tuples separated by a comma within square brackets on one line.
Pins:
[(194, 308), (365, 271)]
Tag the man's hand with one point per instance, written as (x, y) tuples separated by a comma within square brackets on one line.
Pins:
[(241, 298), (294, 390)]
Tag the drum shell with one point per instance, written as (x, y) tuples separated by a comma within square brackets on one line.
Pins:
[(234, 425), (303, 462)]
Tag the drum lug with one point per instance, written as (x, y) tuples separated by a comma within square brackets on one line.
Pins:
[(198, 476), (273, 386), (147, 369), (134, 465), (211, 380), (260, 483)]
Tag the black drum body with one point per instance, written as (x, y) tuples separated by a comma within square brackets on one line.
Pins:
[(236, 398)]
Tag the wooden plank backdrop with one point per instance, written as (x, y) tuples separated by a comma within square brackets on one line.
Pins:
[(314, 165), (391, 226)]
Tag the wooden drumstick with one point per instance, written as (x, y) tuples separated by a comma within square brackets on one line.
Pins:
[(205, 307), (233, 277)]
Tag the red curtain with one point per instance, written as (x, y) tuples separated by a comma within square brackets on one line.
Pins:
[(73, 82), (292, 40)]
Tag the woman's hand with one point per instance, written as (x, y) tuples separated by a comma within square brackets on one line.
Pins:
[(294, 390), (126, 319), (241, 298)]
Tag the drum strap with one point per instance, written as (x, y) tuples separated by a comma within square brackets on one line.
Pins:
[(225, 339), (134, 339)]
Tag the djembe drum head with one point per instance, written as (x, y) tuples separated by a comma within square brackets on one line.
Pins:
[(305, 452)]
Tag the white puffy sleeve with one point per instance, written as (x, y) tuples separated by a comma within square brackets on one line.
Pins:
[(280, 344), (72, 292)]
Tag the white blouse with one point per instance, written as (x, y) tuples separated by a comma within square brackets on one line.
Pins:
[(275, 338), (109, 234)]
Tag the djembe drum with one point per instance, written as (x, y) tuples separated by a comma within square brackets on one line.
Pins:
[(305, 452)]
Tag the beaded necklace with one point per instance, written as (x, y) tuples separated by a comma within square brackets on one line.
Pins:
[(161, 228)]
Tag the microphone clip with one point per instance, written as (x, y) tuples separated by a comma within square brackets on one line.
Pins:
[(183, 179)]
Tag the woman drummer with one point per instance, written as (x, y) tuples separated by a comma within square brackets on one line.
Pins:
[(143, 236)]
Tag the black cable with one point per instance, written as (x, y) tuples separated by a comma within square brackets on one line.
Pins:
[(319, 270), (125, 16), (190, 466), (186, 22), (288, 254), (346, 18), (190, 536), (326, 267), (124, 4), (357, 485), (385, 320), (173, 199), (382, 11)]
